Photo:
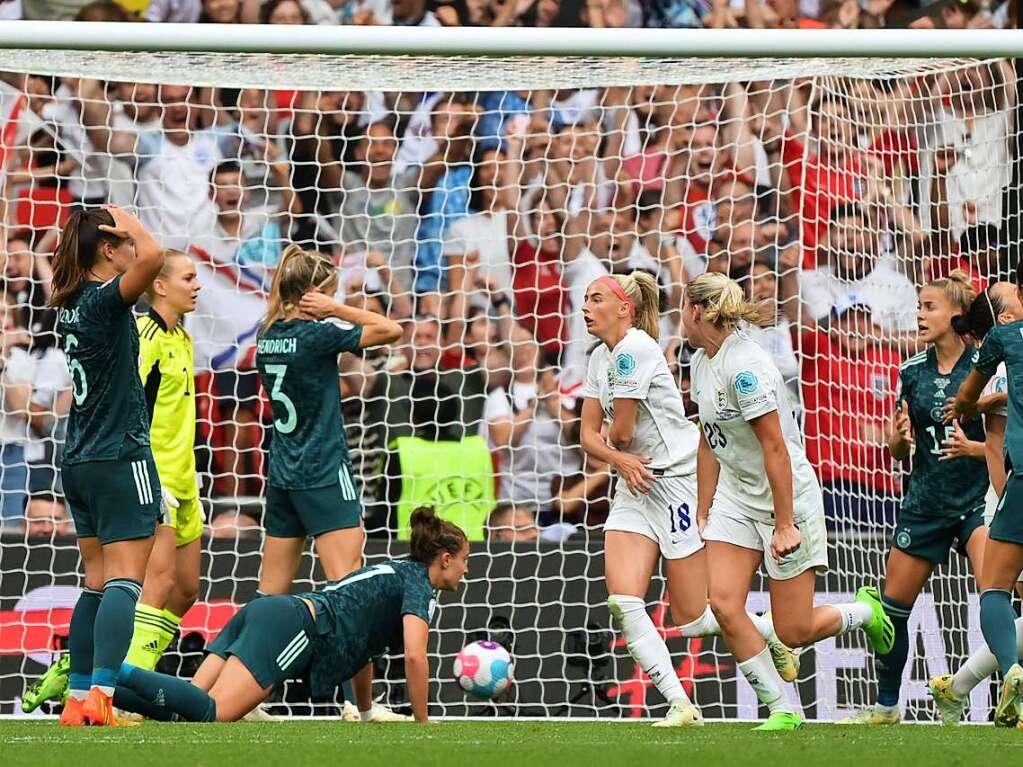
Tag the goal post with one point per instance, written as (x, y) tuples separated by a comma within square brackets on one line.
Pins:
[(470, 183)]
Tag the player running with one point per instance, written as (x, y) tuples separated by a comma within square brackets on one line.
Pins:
[(943, 506), (1003, 555), (759, 495), (324, 637), (104, 262), (171, 582), (652, 447), (998, 305), (311, 488)]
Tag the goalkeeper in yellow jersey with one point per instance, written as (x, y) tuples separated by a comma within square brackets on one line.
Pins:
[(165, 364), (172, 574)]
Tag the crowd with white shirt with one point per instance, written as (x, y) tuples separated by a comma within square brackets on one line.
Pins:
[(479, 219)]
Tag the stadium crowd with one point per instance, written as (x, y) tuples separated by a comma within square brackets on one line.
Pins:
[(478, 219)]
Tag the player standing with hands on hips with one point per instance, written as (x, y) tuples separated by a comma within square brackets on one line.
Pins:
[(759, 501), (652, 446), (104, 262)]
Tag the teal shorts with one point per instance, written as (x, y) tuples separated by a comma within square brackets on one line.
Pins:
[(932, 537), (1007, 526), (116, 500), (272, 637), (304, 513)]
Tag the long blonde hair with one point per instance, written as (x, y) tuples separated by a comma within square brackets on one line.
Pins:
[(724, 304), (958, 289), (641, 288), (298, 272)]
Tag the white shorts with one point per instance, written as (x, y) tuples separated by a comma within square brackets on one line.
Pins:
[(665, 515), (729, 523)]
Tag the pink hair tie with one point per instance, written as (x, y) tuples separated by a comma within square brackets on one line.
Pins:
[(617, 289)]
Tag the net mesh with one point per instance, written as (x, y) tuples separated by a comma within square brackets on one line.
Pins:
[(831, 189)]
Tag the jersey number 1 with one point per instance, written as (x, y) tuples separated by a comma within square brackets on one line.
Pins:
[(287, 425)]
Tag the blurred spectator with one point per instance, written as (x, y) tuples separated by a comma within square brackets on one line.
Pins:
[(174, 11), (778, 337), (854, 274), (848, 386), (509, 523), (525, 429), (283, 12), (221, 12), (47, 519)]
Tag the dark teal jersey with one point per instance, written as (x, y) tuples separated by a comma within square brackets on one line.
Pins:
[(101, 343), (1004, 343), (939, 488), (361, 617), (297, 361)]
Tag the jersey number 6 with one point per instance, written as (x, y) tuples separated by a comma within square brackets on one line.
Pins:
[(288, 425)]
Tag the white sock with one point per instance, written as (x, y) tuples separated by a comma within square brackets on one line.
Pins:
[(108, 691), (854, 615), (763, 678), (646, 646), (980, 666), (704, 626), (78, 694), (765, 626)]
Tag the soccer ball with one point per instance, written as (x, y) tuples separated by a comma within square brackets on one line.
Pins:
[(484, 669)]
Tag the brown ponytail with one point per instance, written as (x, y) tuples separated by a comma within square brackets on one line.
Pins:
[(298, 272), (432, 536), (80, 241)]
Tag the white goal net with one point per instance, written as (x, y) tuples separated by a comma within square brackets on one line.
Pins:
[(473, 200)]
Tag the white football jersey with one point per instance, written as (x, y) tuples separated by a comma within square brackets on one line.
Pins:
[(996, 384), (733, 387), (636, 369)]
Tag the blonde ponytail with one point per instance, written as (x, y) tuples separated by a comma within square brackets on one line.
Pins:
[(724, 304), (642, 290), (298, 272)]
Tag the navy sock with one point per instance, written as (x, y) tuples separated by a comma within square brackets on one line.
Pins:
[(998, 624), (891, 666), (170, 694), (131, 701), (80, 639), (115, 623), (348, 690)]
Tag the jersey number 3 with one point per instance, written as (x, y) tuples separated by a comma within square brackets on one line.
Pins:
[(288, 424)]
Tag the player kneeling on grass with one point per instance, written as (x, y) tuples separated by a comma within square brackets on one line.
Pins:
[(652, 447), (325, 637), (1003, 554), (998, 305), (758, 495)]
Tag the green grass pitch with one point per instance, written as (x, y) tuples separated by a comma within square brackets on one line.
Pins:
[(501, 744)]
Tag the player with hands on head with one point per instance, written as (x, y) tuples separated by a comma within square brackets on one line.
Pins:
[(105, 261), (651, 446), (759, 500), (311, 486), (324, 637)]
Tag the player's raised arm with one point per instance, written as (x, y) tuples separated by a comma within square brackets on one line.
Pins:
[(148, 254), (376, 329)]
